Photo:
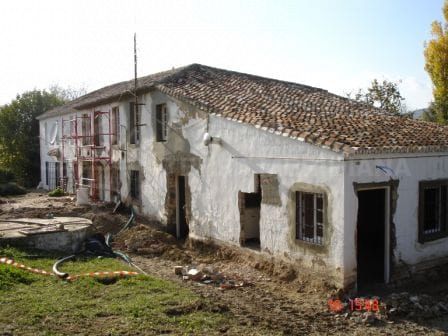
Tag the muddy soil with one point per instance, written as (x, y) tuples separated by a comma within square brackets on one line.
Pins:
[(277, 295)]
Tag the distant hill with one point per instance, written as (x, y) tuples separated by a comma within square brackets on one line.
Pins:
[(418, 113)]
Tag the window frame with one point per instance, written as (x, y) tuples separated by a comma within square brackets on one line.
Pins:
[(85, 129), (443, 222), (115, 115), (134, 123), (161, 129), (300, 216)]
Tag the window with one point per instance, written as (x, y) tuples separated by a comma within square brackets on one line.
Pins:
[(134, 122), (310, 217), (72, 129), (85, 129), (432, 210), (161, 123), (97, 139), (135, 184), (115, 125)]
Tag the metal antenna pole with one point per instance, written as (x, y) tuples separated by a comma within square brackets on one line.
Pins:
[(135, 73)]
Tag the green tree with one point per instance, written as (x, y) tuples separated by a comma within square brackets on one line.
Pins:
[(436, 57), (385, 95), (19, 134)]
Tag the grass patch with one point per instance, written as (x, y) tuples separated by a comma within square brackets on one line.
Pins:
[(142, 305)]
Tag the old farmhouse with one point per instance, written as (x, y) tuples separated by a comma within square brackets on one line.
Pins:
[(287, 169)]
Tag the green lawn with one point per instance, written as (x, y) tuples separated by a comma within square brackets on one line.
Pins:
[(41, 305)]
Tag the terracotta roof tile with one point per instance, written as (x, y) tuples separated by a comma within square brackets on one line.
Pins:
[(310, 114)]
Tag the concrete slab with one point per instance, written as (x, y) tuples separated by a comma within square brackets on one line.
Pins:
[(54, 234)]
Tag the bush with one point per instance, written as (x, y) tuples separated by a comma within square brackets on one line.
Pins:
[(58, 192), (11, 188), (6, 176)]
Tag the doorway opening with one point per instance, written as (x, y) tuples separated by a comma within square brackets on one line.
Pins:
[(182, 229), (250, 207), (372, 239)]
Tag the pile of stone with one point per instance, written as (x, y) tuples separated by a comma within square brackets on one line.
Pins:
[(368, 313), (209, 276), (393, 307), (416, 306)]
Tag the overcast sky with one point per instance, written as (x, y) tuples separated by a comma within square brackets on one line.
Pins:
[(338, 45)]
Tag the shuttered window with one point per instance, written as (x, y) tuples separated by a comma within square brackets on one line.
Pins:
[(161, 123)]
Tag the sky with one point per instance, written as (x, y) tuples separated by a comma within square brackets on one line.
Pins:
[(337, 45)]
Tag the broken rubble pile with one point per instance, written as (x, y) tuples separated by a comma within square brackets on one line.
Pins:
[(416, 306), (209, 276), (363, 312), (396, 306)]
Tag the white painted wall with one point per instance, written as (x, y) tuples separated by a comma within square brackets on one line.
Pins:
[(229, 167), (409, 171), (214, 187)]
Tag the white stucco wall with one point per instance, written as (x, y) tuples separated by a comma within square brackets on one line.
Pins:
[(215, 185), (408, 170), (228, 168)]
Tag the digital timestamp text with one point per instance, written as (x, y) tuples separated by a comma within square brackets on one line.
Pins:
[(356, 304)]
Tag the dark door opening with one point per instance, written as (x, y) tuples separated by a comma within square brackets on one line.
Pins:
[(371, 235), (181, 219), (250, 206)]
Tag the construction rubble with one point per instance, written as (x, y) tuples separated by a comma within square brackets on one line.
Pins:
[(207, 275), (393, 307)]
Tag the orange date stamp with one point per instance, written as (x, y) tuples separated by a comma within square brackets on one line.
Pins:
[(356, 304)]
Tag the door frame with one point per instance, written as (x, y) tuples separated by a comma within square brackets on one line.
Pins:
[(178, 212), (387, 186)]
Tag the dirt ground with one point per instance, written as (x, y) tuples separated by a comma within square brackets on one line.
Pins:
[(273, 294)]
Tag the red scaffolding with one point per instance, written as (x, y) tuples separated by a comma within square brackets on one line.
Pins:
[(90, 135)]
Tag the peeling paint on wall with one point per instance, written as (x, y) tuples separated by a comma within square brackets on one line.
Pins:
[(270, 189)]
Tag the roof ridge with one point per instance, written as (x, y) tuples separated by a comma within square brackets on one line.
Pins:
[(255, 77)]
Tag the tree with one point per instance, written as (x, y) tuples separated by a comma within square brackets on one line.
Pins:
[(385, 95), (436, 57), (19, 134), (67, 94), (430, 114)]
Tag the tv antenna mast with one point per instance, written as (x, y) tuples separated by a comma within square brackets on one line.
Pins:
[(135, 72)]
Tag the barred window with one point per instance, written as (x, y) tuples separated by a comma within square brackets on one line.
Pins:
[(433, 210), (310, 217)]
